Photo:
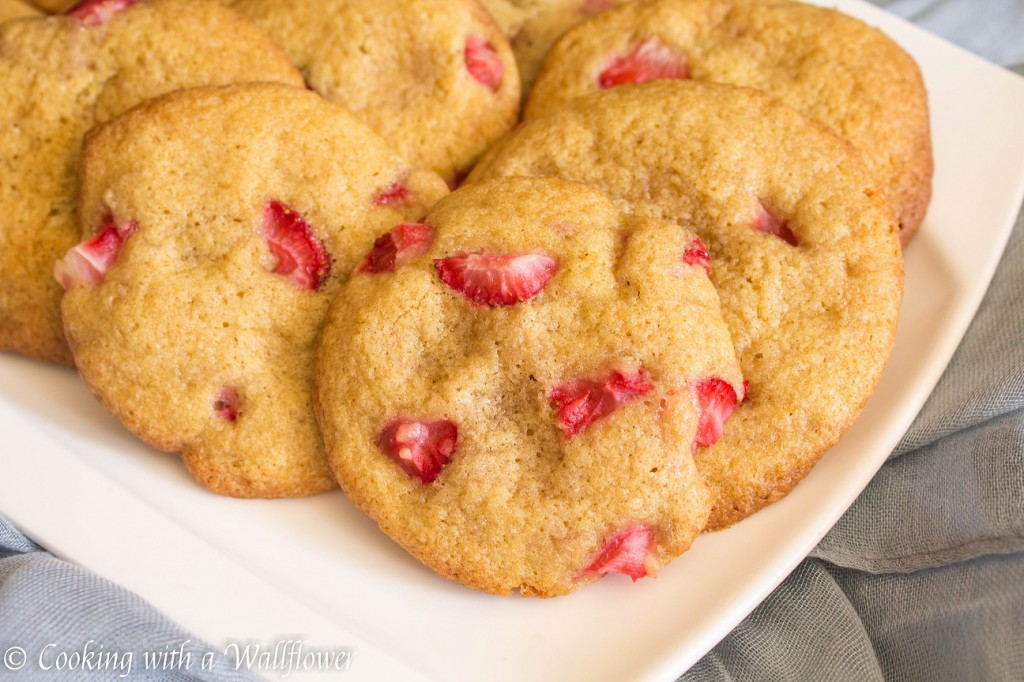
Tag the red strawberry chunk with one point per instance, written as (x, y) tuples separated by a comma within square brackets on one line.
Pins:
[(226, 404), (497, 279), (583, 401), (422, 448), (768, 221), (404, 242), (647, 61), (628, 552), (395, 195), (483, 62), (697, 254), (301, 257), (716, 400), (88, 262), (97, 12)]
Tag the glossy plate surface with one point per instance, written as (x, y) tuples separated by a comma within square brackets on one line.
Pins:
[(317, 570)]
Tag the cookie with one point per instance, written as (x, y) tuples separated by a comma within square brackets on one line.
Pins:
[(15, 9), (513, 388), (218, 224), (60, 76), (438, 81), (830, 66), (533, 26), (806, 256)]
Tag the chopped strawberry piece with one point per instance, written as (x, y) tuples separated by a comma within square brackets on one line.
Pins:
[(768, 221), (716, 400), (483, 62), (404, 242), (583, 401), (495, 279), (96, 12), (88, 261), (628, 552), (226, 404), (395, 195), (301, 257), (697, 254), (647, 61), (422, 448)]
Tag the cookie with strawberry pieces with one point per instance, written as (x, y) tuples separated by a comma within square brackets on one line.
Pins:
[(806, 256), (437, 80), (832, 67), (60, 76), (514, 387), (218, 224)]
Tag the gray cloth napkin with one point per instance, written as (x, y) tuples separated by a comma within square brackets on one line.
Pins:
[(922, 579)]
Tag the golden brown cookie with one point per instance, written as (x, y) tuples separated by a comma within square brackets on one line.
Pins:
[(514, 387), (830, 66), (437, 80), (61, 75), (219, 223), (805, 254)]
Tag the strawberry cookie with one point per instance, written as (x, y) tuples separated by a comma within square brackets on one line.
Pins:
[(514, 387), (63, 74), (437, 80), (805, 255), (14, 9), (830, 66), (218, 224)]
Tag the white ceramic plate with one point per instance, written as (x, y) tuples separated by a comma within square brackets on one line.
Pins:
[(316, 569)]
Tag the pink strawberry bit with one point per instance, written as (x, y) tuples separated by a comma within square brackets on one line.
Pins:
[(497, 279), (716, 400), (87, 263), (628, 551), (97, 12), (226, 404), (483, 62), (581, 402), (395, 195), (301, 257), (768, 221), (422, 448), (647, 61), (697, 254), (404, 242)]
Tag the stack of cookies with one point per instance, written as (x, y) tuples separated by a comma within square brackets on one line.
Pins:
[(313, 245)]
